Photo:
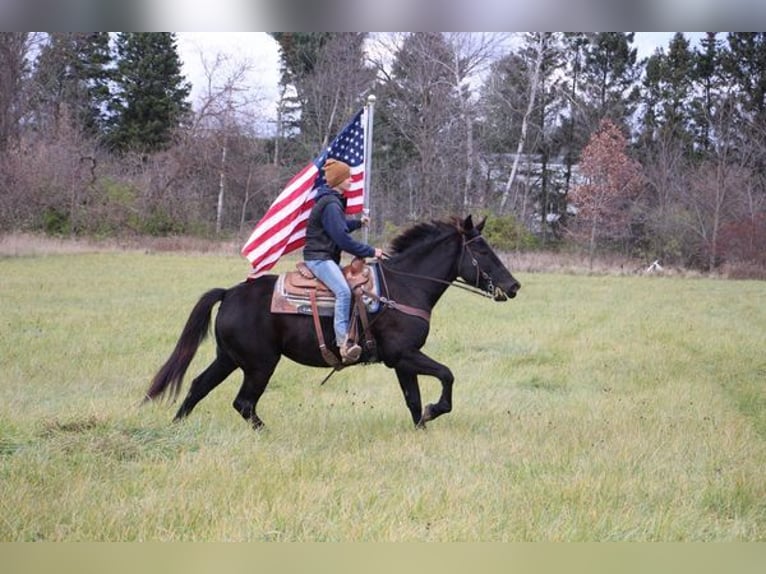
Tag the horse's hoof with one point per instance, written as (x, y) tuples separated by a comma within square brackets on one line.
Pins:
[(427, 414), (257, 424)]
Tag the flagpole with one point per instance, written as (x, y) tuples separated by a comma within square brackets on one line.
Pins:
[(368, 162)]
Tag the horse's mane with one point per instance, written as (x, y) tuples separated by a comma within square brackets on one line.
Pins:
[(422, 232)]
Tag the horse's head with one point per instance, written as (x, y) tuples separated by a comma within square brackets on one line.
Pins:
[(479, 265)]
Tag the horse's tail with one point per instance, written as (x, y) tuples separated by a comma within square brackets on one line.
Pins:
[(195, 331)]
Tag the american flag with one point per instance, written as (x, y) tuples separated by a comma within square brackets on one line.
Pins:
[(283, 228)]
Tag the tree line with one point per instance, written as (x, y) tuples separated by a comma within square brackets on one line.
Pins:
[(565, 138)]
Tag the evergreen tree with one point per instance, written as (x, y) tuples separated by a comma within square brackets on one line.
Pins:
[(524, 99), (551, 199), (151, 93), (420, 129), (574, 134), (503, 98), (14, 50), (667, 94), (747, 67), (299, 54), (651, 98), (665, 145), (72, 72), (708, 77), (678, 87), (609, 77), (329, 77)]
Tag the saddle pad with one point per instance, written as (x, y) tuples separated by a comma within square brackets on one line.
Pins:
[(291, 294)]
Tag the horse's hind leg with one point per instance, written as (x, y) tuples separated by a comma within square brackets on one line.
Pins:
[(250, 392), (209, 379)]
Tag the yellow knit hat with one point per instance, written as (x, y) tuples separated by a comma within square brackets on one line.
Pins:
[(336, 172)]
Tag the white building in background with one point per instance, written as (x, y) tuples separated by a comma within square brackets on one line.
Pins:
[(526, 194)]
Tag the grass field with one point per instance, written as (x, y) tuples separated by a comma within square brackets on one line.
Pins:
[(588, 408)]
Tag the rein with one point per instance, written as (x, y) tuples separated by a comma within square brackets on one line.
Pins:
[(459, 283)]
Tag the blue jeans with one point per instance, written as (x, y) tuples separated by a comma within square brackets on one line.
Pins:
[(329, 273)]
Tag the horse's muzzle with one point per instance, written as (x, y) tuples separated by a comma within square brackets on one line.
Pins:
[(503, 295)]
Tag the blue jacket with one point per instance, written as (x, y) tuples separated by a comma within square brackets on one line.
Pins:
[(327, 232)]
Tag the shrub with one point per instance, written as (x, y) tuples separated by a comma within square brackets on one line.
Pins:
[(160, 223), (744, 240), (506, 233), (55, 221)]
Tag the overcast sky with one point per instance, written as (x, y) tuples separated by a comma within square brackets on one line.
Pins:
[(261, 52)]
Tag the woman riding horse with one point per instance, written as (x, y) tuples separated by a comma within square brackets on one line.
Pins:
[(424, 262)]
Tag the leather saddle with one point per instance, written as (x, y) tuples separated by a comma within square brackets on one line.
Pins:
[(292, 290)]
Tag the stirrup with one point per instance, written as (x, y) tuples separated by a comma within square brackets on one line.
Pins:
[(350, 353)]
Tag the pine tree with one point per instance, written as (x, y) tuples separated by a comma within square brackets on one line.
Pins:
[(667, 94), (551, 200), (678, 87), (299, 54), (14, 49), (708, 76), (574, 135), (72, 74), (329, 76), (609, 76), (151, 96), (504, 95), (747, 67)]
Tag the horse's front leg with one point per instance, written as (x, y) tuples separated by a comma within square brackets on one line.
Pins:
[(408, 381), (416, 363)]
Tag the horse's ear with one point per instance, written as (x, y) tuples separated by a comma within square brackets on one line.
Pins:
[(469, 226)]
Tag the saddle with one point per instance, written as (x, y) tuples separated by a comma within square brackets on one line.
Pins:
[(293, 289), (300, 292)]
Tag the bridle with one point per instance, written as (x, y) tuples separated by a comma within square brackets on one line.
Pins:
[(489, 291)]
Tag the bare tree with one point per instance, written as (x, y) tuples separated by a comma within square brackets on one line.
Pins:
[(227, 108), (472, 53), (335, 87), (711, 187), (14, 51), (666, 174), (718, 187), (422, 129), (534, 85)]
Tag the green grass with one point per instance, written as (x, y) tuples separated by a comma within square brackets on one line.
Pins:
[(589, 408)]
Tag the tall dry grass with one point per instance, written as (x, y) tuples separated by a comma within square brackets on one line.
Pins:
[(588, 408), (571, 263), (19, 244)]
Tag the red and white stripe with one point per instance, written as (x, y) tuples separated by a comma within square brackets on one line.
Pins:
[(283, 228)]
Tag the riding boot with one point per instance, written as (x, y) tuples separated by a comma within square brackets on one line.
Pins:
[(349, 351)]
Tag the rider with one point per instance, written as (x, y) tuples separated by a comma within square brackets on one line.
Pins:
[(327, 235)]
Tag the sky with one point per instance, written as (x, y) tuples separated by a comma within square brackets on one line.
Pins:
[(257, 50), (261, 52)]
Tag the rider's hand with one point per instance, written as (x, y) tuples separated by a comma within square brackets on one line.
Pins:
[(379, 253), (365, 219)]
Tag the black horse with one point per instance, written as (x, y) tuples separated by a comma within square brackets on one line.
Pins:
[(424, 261)]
